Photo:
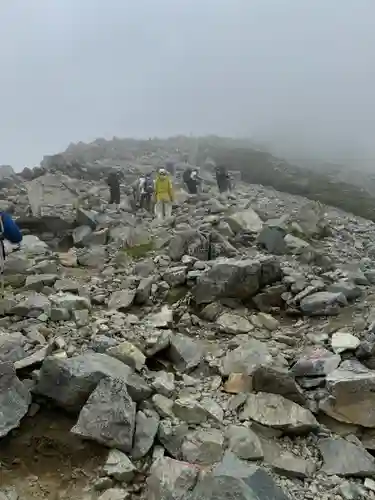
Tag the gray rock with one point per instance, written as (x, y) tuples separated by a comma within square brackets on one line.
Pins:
[(271, 238), (170, 479), (276, 380), (66, 285), (343, 458), (12, 346), (343, 341), (315, 362), (190, 410), (175, 276), (351, 399), (164, 383), (37, 282), (172, 437), (234, 324), (234, 479), (161, 319), (203, 447), (273, 410), (108, 416), (235, 279), (146, 427), (322, 303), (189, 242), (81, 235), (246, 358), (121, 300), (119, 466), (69, 382), (144, 290), (14, 399), (244, 443), (115, 494), (94, 257), (184, 353), (246, 220), (70, 302), (288, 465), (32, 307), (163, 405), (86, 218), (350, 290), (128, 354), (138, 388)]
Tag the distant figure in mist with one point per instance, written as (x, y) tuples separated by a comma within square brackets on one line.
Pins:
[(222, 179), (170, 167), (114, 188)]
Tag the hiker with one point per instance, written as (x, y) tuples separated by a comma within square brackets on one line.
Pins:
[(146, 190), (114, 188), (222, 179), (170, 167), (191, 180), (163, 195)]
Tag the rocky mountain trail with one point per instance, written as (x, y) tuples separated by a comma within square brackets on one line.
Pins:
[(226, 353)]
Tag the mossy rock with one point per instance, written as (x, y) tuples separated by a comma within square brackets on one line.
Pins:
[(139, 251), (176, 294)]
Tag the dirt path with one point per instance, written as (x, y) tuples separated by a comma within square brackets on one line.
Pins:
[(42, 460)]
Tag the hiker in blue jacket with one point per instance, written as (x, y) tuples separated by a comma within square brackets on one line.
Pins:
[(9, 229)]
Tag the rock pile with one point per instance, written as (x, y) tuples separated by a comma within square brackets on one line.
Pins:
[(227, 354)]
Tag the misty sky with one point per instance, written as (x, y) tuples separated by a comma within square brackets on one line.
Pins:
[(296, 72)]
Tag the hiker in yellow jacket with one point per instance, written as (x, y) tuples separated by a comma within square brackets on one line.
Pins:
[(163, 195)]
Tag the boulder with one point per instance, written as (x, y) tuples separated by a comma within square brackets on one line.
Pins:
[(121, 300), (351, 399), (69, 382), (245, 220), (172, 437), (188, 242), (175, 276), (108, 416), (273, 410), (277, 380), (185, 353), (244, 443), (246, 358), (343, 341), (234, 278), (37, 282), (128, 354), (233, 323), (119, 467), (271, 237), (146, 427), (204, 447), (234, 479), (343, 458), (15, 399), (31, 307), (170, 479), (322, 303), (315, 362), (12, 347)]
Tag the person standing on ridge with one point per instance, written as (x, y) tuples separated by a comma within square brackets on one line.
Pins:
[(114, 188), (222, 179), (164, 195)]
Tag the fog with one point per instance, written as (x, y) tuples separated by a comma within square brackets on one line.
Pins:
[(299, 75)]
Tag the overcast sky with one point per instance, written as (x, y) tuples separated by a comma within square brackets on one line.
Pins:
[(297, 72)]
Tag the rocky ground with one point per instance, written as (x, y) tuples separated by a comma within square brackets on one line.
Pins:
[(228, 353)]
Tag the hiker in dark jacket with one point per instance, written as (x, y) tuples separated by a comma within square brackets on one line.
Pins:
[(222, 179), (114, 188), (9, 229)]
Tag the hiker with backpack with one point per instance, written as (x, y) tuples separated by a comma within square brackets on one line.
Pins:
[(146, 190), (191, 180), (10, 231), (113, 182)]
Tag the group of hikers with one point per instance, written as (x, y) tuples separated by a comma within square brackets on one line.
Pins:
[(158, 194)]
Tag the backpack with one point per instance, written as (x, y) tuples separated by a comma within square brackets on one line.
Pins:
[(149, 185)]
